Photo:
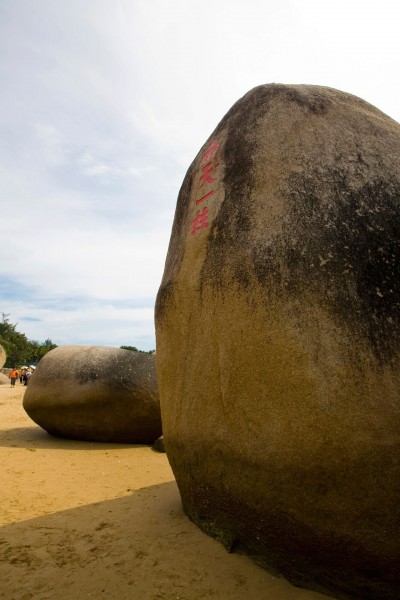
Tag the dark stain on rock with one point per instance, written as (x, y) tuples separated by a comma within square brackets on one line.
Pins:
[(340, 240), (235, 216), (345, 252), (317, 104), (86, 375), (234, 219), (283, 543), (125, 369)]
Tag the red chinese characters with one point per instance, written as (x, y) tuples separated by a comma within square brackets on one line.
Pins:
[(207, 178), (200, 221), (210, 152)]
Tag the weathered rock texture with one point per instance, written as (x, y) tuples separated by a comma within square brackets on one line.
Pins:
[(3, 357), (96, 393), (278, 338)]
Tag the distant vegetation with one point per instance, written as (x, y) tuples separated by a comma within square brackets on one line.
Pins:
[(134, 349), (20, 350)]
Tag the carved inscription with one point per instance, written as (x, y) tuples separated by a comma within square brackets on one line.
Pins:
[(207, 178)]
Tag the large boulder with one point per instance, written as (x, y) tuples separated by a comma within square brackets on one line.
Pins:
[(278, 338), (96, 393)]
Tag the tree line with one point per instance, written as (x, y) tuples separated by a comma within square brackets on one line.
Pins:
[(134, 349), (20, 350)]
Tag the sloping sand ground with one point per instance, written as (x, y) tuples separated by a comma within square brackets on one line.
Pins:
[(86, 520)]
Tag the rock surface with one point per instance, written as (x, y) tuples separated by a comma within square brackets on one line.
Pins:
[(278, 338), (159, 444), (3, 357), (96, 393)]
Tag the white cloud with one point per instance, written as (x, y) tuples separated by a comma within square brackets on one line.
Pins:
[(93, 324), (105, 104), (97, 170), (104, 263)]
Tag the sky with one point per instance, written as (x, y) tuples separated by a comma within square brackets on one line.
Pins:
[(103, 106)]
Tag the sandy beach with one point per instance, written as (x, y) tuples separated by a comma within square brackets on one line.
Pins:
[(88, 520)]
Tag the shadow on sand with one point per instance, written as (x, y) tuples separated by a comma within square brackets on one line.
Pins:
[(36, 437), (140, 547)]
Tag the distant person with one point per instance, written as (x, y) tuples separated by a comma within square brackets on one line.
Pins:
[(24, 377), (28, 376), (13, 375)]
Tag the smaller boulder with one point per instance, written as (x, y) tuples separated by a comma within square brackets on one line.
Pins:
[(159, 444), (96, 393), (3, 357)]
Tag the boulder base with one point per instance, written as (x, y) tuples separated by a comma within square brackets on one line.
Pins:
[(278, 339), (96, 393)]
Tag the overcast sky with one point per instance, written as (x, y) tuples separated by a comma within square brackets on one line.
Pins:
[(103, 106)]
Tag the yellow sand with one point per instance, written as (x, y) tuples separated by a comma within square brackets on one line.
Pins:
[(86, 520)]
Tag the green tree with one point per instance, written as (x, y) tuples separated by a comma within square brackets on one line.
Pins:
[(37, 350), (18, 348), (14, 343), (134, 349)]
